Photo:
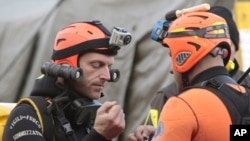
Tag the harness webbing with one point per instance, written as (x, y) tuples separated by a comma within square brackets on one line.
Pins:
[(237, 103)]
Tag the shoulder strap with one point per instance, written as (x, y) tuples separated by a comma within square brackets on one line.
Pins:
[(40, 106), (237, 103), (246, 115), (64, 128), (230, 105)]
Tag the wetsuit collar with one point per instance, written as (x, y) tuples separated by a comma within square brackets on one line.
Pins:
[(46, 86), (209, 73)]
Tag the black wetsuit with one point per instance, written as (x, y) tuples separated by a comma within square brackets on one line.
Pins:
[(23, 123)]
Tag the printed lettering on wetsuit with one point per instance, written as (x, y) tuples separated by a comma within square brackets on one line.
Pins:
[(24, 117), (26, 133), (22, 120), (159, 130)]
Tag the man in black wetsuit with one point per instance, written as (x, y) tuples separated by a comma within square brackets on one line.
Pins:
[(77, 115)]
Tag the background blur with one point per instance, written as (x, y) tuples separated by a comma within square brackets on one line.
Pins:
[(28, 29)]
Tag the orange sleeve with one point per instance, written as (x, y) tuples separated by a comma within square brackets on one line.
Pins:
[(195, 115), (179, 124)]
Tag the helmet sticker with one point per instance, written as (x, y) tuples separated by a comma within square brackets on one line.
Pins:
[(160, 130)]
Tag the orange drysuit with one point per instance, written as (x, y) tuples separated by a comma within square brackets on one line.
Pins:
[(195, 115)]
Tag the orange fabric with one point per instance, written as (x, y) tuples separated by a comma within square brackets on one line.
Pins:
[(195, 115), (238, 88)]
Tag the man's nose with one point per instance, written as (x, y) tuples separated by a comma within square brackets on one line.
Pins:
[(105, 74)]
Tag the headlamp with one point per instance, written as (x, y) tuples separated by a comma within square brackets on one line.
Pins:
[(160, 30)]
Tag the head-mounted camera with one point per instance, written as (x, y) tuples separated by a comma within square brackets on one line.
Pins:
[(160, 30), (120, 37)]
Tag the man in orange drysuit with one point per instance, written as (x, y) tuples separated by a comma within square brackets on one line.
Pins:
[(199, 46), (233, 67)]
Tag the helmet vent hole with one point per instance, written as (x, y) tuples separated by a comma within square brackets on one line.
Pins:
[(90, 32), (192, 28), (60, 40), (182, 57)]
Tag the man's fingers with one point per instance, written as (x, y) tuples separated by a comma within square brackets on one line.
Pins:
[(106, 106)]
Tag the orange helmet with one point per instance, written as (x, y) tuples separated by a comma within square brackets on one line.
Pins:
[(78, 38), (194, 35)]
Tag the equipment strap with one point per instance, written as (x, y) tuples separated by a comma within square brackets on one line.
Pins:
[(81, 47), (56, 109), (237, 103)]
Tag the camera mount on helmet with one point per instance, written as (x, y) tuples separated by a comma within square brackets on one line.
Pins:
[(160, 29), (120, 37)]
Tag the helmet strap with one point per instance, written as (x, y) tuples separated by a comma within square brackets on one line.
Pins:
[(185, 80), (81, 47), (203, 32), (100, 26)]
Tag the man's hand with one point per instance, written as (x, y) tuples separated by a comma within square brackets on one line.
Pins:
[(110, 120), (142, 133)]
